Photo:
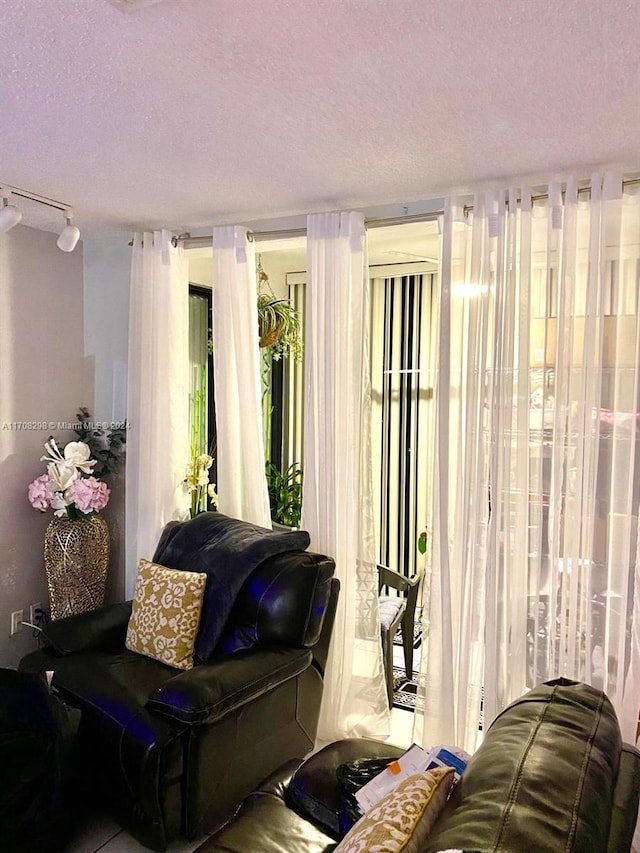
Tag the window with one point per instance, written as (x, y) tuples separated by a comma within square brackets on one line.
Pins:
[(202, 429)]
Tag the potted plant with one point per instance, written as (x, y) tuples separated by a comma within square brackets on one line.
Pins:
[(279, 326), (202, 492), (285, 494), (278, 322), (76, 545), (76, 550)]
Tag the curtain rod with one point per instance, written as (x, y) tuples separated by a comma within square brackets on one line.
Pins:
[(206, 240), (189, 242)]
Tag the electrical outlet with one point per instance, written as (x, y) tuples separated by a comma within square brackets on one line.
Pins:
[(16, 619), (33, 613)]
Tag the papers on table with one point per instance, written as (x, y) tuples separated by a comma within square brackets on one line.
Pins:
[(414, 760)]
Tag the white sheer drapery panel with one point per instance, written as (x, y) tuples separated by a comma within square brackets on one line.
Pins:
[(337, 497), (242, 484), (157, 395), (452, 660), (537, 480)]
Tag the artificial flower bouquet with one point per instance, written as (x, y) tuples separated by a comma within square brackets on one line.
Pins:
[(69, 487)]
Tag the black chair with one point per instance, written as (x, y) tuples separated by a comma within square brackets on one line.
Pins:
[(172, 752), (397, 611)]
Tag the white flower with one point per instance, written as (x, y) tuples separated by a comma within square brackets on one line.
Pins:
[(78, 453), (64, 488), (58, 505), (62, 475), (52, 449)]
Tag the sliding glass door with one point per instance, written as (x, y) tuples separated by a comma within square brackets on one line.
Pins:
[(402, 344), (402, 394)]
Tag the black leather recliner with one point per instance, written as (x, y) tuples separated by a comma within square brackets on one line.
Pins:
[(37, 809), (173, 752)]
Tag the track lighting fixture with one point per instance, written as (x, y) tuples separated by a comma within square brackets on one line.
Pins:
[(69, 235), (10, 215)]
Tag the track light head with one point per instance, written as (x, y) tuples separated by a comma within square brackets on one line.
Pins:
[(70, 234), (9, 213)]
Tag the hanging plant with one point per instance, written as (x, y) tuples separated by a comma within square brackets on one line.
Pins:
[(279, 331), (278, 322), (279, 327)]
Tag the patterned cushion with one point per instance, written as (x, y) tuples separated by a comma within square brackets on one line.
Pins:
[(389, 607), (402, 820), (166, 613)]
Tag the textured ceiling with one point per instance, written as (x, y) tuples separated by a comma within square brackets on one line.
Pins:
[(184, 113)]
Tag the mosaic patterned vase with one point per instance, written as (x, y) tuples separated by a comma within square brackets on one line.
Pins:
[(76, 559)]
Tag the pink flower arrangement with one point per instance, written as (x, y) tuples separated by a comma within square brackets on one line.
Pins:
[(89, 495), (68, 487), (39, 495)]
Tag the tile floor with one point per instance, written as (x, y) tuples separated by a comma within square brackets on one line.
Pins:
[(97, 832)]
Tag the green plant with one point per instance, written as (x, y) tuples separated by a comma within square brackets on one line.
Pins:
[(201, 491), (279, 327), (279, 331), (285, 494), (422, 542), (105, 441)]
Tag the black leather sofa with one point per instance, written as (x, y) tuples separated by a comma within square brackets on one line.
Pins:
[(552, 776), (172, 752)]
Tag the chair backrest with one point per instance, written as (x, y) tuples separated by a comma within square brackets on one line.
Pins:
[(228, 550), (282, 603), (409, 586)]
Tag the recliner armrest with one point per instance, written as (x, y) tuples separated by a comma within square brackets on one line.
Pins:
[(626, 793), (211, 690), (95, 630)]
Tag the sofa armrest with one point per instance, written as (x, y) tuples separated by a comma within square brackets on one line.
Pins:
[(211, 690), (95, 630), (543, 778), (625, 800)]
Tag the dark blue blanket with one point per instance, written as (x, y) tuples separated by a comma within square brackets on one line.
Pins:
[(227, 550)]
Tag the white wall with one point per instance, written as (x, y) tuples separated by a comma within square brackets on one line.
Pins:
[(200, 269), (63, 344), (44, 379)]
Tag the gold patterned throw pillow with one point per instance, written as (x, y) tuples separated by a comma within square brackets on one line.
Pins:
[(403, 819), (165, 614)]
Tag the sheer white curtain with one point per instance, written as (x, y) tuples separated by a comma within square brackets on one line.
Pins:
[(537, 472), (157, 395), (337, 502), (242, 484)]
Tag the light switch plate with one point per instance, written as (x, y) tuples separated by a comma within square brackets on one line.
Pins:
[(16, 621)]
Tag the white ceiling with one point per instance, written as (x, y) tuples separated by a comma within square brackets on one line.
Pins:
[(185, 113)]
